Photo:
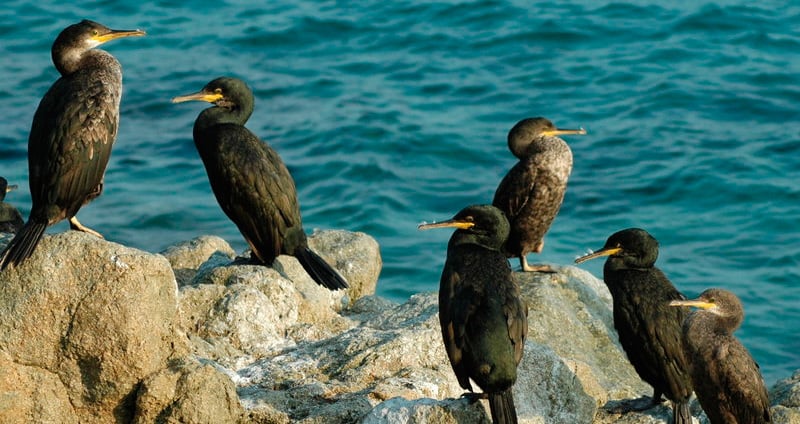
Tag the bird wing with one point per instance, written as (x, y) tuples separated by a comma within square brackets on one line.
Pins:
[(254, 189), (739, 377), (70, 141), (516, 189), (458, 302), (516, 312)]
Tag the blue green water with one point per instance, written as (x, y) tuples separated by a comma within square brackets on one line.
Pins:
[(393, 113)]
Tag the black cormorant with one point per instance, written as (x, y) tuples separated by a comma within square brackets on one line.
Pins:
[(250, 181), (483, 318), (532, 191), (10, 218), (726, 379), (72, 133), (649, 330)]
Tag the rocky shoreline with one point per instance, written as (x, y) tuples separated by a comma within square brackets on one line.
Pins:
[(96, 332)]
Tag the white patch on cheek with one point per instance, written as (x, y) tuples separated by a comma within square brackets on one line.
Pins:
[(91, 43)]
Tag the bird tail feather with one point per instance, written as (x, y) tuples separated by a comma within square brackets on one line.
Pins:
[(319, 270), (22, 245), (502, 407), (681, 413)]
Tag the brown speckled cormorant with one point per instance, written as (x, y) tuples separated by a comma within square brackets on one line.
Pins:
[(10, 218), (483, 318), (649, 330), (532, 191), (250, 181), (726, 379), (72, 133)]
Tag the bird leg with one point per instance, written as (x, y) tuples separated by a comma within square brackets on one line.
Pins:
[(76, 225), (523, 261)]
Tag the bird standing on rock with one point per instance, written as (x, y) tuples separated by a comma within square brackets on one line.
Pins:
[(483, 318), (649, 330), (71, 135), (533, 190), (726, 379), (250, 181), (10, 218)]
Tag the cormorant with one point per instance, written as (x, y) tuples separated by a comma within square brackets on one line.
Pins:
[(649, 330), (71, 135), (532, 191), (726, 379), (250, 181), (483, 318), (10, 218)]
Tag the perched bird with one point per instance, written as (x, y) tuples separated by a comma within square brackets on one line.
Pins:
[(71, 135), (250, 181), (726, 379), (483, 318), (533, 190), (10, 218), (649, 330)]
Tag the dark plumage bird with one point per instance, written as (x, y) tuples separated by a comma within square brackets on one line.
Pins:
[(483, 319), (10, 218), (250, 181), (533, 190), (649, 330), (726, 379), (72, 133)]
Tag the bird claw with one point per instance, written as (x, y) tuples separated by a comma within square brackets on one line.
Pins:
[(474, 397), (630, 405)]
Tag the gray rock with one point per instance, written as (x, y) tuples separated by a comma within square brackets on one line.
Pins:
[(96, 316), (185, 258), (96, 332)]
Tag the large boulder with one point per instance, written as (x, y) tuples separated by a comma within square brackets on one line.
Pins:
[(96, 316)]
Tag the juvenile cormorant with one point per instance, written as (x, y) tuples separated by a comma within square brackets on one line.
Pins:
[(532, 191), (483, 318), (71, 135), (649, 330), (10, 218), (250, 181), (726, 379)]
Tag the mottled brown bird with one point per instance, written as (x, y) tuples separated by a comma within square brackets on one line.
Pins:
[(533, 190), (72, 133), (250, 181), (726, 379), (483, 318), (648, 329)]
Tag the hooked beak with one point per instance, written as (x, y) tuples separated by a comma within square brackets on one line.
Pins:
[(559, 131), (461, 225), (600, 253), (200, 95), (118, 33)]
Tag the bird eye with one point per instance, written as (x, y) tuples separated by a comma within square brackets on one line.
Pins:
[(95, 32), (218, 90)]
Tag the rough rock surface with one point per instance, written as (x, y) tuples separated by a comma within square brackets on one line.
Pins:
[(97, 332)]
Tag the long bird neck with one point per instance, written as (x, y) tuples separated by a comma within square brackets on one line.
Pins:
[(69, 60), (231, 113), (486, 240), (525, 149)]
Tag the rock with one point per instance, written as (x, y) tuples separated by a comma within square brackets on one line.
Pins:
[(356, 256), (189, 393), (426, 411), (32, 395), (95, 315), (96, 332), (785, 396), (185, 258)]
